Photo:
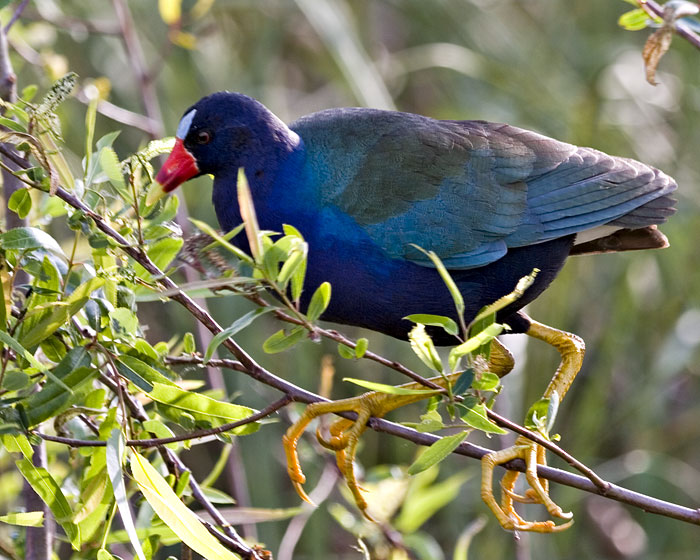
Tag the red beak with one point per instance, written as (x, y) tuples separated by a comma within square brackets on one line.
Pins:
[(179, 167)]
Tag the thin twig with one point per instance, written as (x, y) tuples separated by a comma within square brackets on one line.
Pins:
[(655, 10)]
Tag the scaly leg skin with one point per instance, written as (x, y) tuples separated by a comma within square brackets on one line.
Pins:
[(345, 434), (571, 349)]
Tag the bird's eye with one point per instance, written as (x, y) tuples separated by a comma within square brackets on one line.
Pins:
[(202, 137)]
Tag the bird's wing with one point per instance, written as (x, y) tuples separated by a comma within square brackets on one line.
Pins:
[(468, 190)]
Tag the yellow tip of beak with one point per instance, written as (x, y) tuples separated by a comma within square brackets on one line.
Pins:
[(155, 193)]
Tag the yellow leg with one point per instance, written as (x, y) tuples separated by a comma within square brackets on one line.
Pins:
[(345, 434), (571, 349)]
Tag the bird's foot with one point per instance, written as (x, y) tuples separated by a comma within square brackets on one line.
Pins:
[(538, 492), (343, 438)]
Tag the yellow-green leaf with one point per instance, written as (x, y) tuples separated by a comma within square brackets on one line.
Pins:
[(203, 408), (174, 513), (390, 389), (25, 519)]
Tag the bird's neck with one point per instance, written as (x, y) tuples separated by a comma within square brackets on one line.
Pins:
[(276, 184)]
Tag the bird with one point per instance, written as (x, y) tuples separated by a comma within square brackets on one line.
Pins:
[(374, 191)]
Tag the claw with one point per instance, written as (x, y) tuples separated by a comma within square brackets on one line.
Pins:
[(538, 492)]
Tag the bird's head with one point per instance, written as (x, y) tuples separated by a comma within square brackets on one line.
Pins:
[(219, 134)]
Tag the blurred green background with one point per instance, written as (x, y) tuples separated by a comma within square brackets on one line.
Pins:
[(564, 69)]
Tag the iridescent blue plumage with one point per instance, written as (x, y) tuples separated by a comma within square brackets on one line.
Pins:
[(365, 187)]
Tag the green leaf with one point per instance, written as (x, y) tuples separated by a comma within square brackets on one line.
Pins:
[(447, 279), (437, 452), (12, 125), (319, 301), (361, 347), (202, 408), (346, 352), (20, 202), (28, 239), (422, 503), (70, 376), (296, 260), (111, 167), (424, 348), (282, 340), (50, 493), (115, 458), (211, 232), (390, 389), (245, 205), (140, 373), (487, 381), (60, 313), (299, 274), (189, 346), (523, 284), (634, 20), (123, 322), (24, 519), (436, 321), (476, 417), (163, 251), (464, 382), (181, 520), (474, 343), (238, 325)]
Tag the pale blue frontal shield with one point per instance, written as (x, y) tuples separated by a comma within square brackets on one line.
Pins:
[(184, 126)]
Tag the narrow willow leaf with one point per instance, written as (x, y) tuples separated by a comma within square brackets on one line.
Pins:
[(476, 417), (464, 382), (390, 389), (50, 493), (422, 503), (90, 120), (12, 125), (115, 455), (202, 408), (181, 520), (523, 284), (91, 497), (283, 340), (435, 320), (245, 204), (552, 409), (424, 348), (447, 279), (296, 260), (24, 519), (319, 302), (437, 452), (211, 232), (474, 343), (143, 370), (237, 326)]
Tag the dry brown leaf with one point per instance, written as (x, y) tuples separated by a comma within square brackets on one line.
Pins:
[(656, 46)]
